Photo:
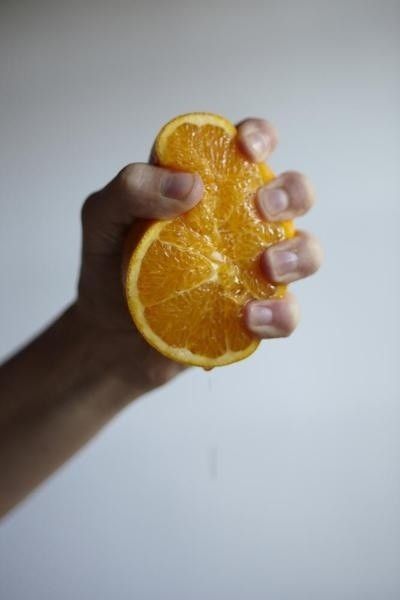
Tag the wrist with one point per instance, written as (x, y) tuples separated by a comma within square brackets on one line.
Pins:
[(104, 362), (118, 360)]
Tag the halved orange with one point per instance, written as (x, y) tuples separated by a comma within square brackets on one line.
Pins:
[(188, 279)]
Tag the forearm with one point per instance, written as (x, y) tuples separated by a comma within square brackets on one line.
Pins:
[(54, 396)]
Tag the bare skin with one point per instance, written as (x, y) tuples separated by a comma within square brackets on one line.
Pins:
[(65, 385)]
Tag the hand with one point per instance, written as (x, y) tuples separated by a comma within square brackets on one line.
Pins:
[(145, 191), (99, 361)]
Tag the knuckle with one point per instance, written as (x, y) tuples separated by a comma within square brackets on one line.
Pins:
[(272, 131), (292, 178), (249, 123), (87, 210), (300, 189), (131, 177), (308, 193), (290, 320), (312, 252), (287, 331), (315, 262)]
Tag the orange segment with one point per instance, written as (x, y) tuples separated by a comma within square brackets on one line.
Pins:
[(188, 279)]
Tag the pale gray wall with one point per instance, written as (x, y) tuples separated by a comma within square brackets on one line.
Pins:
[(274, 479)]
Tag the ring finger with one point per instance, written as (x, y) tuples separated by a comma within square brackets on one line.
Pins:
[(292, 259)]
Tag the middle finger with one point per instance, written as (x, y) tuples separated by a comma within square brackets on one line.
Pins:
[(286, 197)]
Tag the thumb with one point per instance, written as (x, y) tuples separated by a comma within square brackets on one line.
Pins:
[(138, 191)]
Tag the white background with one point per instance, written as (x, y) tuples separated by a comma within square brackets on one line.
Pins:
[(274, 479)]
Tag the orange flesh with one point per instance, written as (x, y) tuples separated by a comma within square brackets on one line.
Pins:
[(189, 278)]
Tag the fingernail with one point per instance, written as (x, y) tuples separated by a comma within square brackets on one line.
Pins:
[(260, 315), (177, 185), (272, 202), (284, 262), (259, 144)]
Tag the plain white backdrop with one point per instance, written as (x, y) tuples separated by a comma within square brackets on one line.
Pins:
[(274, 479)]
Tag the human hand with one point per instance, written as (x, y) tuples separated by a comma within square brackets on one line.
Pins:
[(99, 361), (146, 191)]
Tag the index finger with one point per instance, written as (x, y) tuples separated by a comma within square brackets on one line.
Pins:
[(257, 138)]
